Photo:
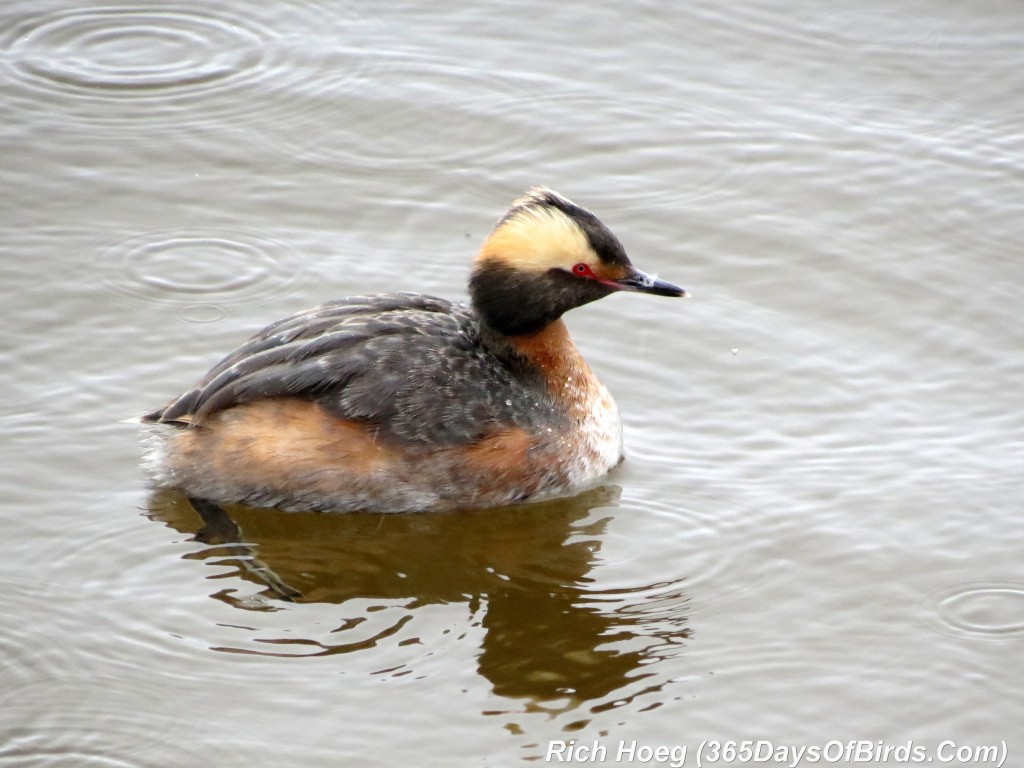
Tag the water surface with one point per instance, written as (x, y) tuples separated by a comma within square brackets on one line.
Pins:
[(816, 535)]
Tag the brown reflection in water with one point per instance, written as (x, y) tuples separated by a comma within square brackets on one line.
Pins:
[(551, 633)]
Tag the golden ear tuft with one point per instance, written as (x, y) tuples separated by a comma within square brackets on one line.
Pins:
[(539, 237)]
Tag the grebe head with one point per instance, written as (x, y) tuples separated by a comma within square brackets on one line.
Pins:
[(545, 256)]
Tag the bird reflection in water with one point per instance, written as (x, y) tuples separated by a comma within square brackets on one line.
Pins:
[(551, 633)]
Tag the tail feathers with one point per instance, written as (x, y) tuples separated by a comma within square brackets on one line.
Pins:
[(157, 417)]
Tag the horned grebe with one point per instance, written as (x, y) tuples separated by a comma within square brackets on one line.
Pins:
[(401, 402)]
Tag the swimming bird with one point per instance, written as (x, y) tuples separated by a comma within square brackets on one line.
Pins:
[(402, 402)]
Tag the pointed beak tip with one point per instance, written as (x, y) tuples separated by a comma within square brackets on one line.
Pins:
[(663, 288)]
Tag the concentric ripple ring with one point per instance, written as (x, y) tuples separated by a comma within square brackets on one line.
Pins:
[(123, 49)]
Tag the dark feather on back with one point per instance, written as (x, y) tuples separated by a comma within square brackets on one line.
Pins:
[(413, 366)]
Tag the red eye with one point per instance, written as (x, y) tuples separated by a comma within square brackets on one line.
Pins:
[(583, 270)]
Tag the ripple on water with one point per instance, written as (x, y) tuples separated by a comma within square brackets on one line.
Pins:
[(983, 610), (121, 48), (21, 601), (711, 555), (900, 28), (662, 132), (419, 110), (883, 28), (198, 271), (127, 63), (88, 720), (447, 113), (896, 112), (202, 313)]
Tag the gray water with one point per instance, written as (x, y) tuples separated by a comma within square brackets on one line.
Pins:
[(816, 537)]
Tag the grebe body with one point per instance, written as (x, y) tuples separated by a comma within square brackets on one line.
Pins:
[(402, 402)]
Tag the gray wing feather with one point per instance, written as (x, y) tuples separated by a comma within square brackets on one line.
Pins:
[(413, 365)]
